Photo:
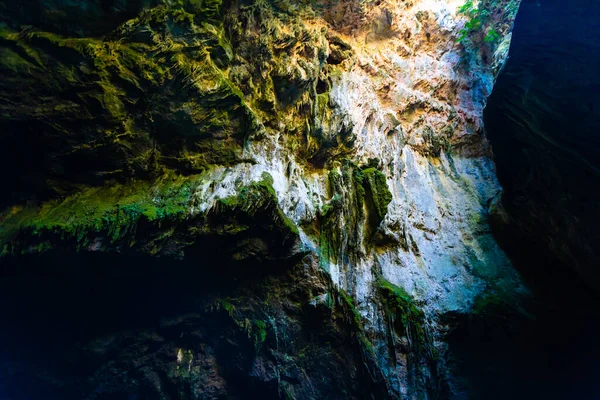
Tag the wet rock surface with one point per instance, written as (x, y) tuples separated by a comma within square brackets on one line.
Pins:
[(251, 199)]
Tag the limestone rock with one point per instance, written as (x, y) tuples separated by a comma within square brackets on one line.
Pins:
[(344, 137)]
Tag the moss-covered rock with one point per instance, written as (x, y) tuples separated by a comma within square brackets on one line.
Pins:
[(254, 198), (181, 85), (154, 85), (139, 137), (113, 209), (377, 195), (152, 218), (409, 345), (406, 316), (358, 203)]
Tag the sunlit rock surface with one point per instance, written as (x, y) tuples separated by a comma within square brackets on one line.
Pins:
[(344, 139)]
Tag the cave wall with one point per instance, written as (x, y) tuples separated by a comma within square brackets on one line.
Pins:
[(543, 122), (333, 152)]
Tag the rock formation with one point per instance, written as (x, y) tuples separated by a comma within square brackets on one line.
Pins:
[(249, 198), (545, 111)]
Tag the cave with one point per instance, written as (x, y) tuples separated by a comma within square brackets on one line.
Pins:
[(245, 199)]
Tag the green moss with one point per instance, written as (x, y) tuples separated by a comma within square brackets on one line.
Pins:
[(15, 62), (113, 210), (204, 10), (255, 329), (169, 79), (349, 311), (349, 190), (397, 298), (375, 184), (208, 153), (226, 305), (489, 302), (259, 196), (408, 318), (259, 333), (117, 64), (359, 188), (290, 225), (348, 302), (367, 345), (326, 229)]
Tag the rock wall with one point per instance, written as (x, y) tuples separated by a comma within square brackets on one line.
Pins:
[(339, 141), (543, 125)]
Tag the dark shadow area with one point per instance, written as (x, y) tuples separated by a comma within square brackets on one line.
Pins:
[(95, 17), (77, 325), (111, 326), (543, 121), (550, 354)]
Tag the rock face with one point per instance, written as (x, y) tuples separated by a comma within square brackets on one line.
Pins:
[(543, 122), (320, 169)]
